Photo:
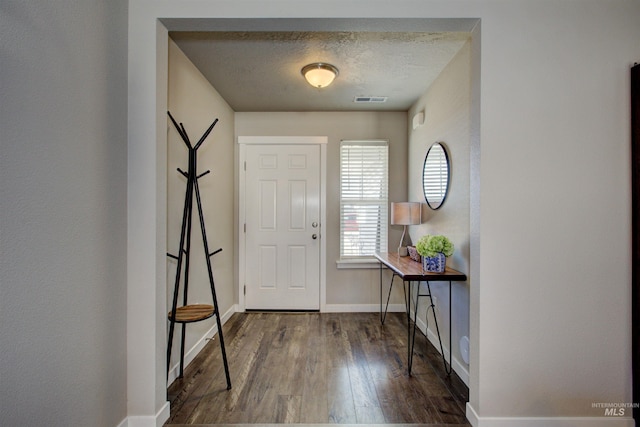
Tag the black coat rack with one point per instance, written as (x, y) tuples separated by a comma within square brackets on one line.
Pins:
[(189, 313)]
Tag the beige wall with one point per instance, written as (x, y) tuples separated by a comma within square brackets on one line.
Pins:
[(447, 107), (354, 287), (193, 102)]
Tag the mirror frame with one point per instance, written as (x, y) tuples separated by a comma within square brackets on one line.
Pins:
[(448, 180)]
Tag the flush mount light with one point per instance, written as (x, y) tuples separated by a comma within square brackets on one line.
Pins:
[(319, 74)]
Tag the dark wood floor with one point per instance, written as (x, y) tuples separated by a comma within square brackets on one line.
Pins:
[(312, 368)]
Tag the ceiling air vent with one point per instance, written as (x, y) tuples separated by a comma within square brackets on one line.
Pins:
[(370, 99)]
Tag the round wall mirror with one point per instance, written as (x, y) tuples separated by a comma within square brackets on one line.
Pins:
[(435, 175)]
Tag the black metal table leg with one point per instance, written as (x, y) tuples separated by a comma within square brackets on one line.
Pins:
[(435, 318), (412, 342), (381, 318), (386, 308), (448, 371), (407, 305)]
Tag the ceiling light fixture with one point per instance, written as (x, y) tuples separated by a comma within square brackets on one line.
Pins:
[(319, 74)]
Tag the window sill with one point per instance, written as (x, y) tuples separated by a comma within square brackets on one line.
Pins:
[(362, 263)]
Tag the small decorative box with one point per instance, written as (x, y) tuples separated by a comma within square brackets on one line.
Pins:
[(413, 253)]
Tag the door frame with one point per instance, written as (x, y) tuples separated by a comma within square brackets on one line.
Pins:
[(635, 218), (243, 142)]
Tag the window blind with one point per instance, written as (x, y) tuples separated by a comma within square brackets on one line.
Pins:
[(363, 198)]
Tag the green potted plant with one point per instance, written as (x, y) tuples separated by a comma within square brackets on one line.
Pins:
[(434, 250)]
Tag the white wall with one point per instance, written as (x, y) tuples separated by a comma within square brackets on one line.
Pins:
[(346, 288), (63, 214), (194, 103), (552, 326), (447, 108)]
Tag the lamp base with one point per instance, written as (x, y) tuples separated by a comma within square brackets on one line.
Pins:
[(403, 251)]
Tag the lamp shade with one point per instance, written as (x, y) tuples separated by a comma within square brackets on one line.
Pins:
[(406, 213), (319, 74)]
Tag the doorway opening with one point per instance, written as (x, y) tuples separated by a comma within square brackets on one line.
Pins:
[(146, 275)]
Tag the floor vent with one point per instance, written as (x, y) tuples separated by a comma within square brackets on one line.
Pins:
[(370, 99)]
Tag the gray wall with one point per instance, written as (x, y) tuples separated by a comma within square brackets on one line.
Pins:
[(63, 216)]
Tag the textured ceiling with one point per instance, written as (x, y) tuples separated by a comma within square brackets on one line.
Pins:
[(260, 70)]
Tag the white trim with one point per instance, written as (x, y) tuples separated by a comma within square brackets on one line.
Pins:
[(352, 172), (472, 416), (365, 142), (148, 421), (198, 346), (241, 220), (477, 421), (357, 263), (361, 308), (323, 221), (243, 141), (279, 140)]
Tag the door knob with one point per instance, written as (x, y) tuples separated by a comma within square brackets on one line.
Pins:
[(314, 224), (314, 236)]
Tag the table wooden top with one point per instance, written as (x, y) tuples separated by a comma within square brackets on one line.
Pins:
[(409, 269)]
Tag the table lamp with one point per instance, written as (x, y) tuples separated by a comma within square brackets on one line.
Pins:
[(405, 213)]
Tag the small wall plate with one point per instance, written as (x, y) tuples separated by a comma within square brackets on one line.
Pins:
[(464, 349)]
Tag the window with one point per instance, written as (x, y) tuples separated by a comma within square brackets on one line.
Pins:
[(363, 198)]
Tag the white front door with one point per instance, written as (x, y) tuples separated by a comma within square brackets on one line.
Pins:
[(282, 216)]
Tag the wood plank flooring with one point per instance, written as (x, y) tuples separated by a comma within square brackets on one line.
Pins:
[(318, 369)]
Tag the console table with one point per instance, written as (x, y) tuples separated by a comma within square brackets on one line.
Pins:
[(411, 272)]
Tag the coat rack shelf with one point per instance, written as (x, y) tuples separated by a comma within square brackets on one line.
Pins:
[(193, 313)]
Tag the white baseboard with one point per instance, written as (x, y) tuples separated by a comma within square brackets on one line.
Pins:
[(458, 367), (360, 308), (472, 416), (163, 415), (198, 346), (477, 421), (148, 421)]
